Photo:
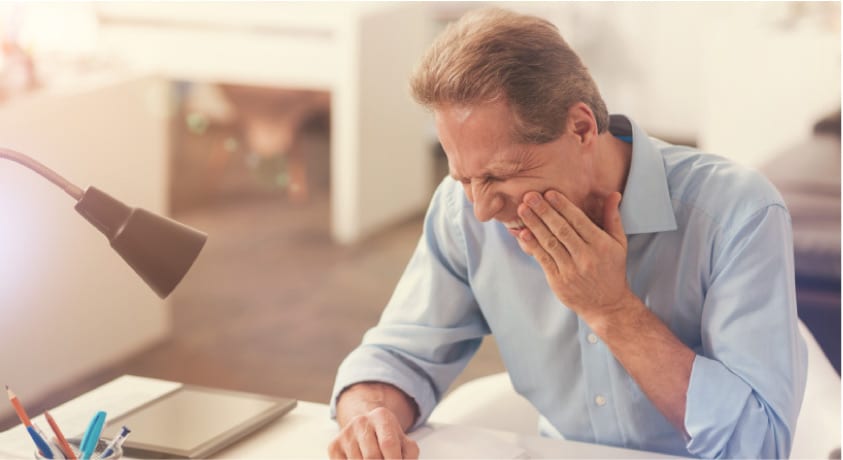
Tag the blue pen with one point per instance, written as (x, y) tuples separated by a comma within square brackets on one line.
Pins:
[(92, 436)]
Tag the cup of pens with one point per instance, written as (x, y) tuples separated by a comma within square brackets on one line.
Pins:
[(90, 447), (101, 448)]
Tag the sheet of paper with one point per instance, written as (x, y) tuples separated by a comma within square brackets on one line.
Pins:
[(116, 398), (456, 441)]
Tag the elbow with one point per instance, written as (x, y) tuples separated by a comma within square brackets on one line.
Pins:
[(757, 433)]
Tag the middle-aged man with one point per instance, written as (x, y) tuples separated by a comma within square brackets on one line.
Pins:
[(660, 318)]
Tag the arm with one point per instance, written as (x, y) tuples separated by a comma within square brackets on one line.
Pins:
[(429, 330), (652, 355), (586, 268), (741, 395)]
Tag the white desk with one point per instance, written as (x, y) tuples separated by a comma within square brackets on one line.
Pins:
[(306, 431)]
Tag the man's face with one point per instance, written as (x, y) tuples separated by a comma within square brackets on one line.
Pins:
[(496, 172)]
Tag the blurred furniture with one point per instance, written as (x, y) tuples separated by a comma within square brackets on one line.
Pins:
[(362, 53), (71, 307), (271, 122), (491, 402), (241, 141), (808, 177)]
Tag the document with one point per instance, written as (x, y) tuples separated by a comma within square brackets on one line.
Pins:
[(461, 441)]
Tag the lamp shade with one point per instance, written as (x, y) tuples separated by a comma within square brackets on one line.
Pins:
[(158, 249)]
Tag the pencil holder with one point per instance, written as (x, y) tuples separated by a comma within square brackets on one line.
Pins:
[(101, 445)]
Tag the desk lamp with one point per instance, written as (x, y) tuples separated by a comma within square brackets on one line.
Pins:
[(158, 249)]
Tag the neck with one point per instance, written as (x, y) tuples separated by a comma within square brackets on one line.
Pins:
[(612, 159)]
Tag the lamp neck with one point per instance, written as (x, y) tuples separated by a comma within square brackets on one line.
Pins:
[(43, 171)]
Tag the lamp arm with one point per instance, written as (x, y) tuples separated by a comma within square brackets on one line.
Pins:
[(44, 171)]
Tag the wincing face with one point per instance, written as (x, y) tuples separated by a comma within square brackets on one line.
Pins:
[(496, 171)]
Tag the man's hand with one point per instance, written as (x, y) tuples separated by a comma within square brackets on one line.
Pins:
[(584, 264), (373, 418), (586, 268)]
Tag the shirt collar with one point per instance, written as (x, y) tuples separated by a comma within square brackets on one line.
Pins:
[(646, 205)]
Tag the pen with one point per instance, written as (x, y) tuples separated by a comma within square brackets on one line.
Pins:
[(115, 443), (55, 453), (40, 442), (61, 440), (92, 436)]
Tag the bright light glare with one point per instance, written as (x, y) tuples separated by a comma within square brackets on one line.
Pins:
[(20, 250)]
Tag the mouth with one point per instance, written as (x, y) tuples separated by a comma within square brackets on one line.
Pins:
[(515, 227)]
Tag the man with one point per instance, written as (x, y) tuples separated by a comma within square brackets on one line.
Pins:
[(641, 294)]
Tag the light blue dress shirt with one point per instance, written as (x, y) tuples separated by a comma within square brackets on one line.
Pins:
[(710, 253)]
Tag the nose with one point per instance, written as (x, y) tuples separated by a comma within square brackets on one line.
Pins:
[(486, 203)]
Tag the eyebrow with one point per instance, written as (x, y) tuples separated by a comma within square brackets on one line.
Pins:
[(497, 169)]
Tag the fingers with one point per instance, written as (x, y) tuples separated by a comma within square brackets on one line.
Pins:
[(549, 227), (537, 241), (375, 435), (410, 449), (366, 439), (573, 215), (388, 441)]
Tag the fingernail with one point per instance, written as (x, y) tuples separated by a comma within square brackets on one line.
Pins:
[(551, 196), (532, 199)]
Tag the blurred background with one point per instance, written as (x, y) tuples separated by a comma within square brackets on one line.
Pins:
[(286, 132)]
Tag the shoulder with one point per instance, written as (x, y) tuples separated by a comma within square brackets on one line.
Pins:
[(451, 219), (723, 189), (449, 205)]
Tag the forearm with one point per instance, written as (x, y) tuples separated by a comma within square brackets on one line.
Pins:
[(652, 355), (362, 398)]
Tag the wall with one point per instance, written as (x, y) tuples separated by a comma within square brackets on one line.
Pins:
[(741, 79), (69, 304)]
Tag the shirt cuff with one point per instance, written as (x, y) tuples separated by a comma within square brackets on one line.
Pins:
[(716, 401)]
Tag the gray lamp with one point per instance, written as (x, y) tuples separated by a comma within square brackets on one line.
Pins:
[(158, 249)]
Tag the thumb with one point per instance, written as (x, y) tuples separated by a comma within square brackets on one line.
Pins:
[(612, 217)]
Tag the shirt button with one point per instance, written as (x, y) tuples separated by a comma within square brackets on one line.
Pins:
[(592, 338), (600, 400)]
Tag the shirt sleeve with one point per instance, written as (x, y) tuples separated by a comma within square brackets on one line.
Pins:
[(432, 325), (746, 387)]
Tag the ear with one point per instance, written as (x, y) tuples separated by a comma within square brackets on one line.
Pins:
[(582, 123)]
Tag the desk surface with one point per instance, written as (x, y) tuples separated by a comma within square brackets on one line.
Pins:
[(306, 431)]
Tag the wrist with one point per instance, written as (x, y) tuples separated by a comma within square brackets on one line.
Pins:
[(620, 314), (363, 397)]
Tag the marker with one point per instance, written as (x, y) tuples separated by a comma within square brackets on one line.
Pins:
[(92, 436)]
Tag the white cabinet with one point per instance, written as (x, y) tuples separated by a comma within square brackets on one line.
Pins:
[(363, 53)]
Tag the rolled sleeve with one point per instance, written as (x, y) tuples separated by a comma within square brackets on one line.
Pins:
[(367, 364), (746, 389)]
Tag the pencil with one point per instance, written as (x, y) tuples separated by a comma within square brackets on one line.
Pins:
[(13, 398), (37, 438), (62, 441)]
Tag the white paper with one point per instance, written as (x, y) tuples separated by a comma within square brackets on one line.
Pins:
[(460, 441), (115, 397)]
